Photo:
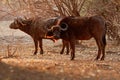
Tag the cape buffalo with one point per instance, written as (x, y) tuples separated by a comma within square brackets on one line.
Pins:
[(36, 28), (73, 28)]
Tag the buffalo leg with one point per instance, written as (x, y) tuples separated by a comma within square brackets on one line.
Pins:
[(36, 46), (103, 53), (67, 47), (63, 46), (102, 50), (103, 47), (40, 45), (98, 41), (72, 47)]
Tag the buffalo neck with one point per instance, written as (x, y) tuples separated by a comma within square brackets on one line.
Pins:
[(25, 29)]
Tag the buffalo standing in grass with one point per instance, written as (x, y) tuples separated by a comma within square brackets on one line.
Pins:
[(75, 28), (36, 28)]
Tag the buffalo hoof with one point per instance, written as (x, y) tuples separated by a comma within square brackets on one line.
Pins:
[(102, 59), (41, 52), (72, 58), (61, 52), (35, 53), (96, 59), (67, 53)]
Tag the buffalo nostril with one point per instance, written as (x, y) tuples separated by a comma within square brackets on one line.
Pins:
[(56, 37)]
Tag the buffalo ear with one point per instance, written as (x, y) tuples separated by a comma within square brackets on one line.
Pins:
[(64, 26)]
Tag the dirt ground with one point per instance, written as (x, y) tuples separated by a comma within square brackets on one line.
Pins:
[(51, 65)]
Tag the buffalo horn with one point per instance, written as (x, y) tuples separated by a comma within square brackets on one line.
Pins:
[(19, 20), (64, 27)]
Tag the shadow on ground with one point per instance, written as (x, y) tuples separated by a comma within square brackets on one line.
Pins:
[(9, 72)]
